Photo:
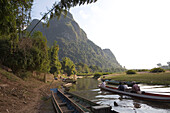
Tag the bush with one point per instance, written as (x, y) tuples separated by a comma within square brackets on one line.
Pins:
[(97, 75), (131, 72), (24, 74), (106, 73), (157, 70)]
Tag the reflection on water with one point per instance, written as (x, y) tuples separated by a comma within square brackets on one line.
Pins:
[(88, 89)]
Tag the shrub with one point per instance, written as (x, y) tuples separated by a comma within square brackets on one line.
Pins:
[(106, 73), (157, 70), (24, 74), (131, 72), (97, 75)]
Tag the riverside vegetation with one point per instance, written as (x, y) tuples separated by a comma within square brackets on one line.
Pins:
[(159, 78), (23, 51)]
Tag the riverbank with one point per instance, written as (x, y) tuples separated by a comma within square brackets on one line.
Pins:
[(28, 96), (146, 78)]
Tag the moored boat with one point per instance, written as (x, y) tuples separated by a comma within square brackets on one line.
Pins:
[(143, 96), (89, 106), (68, 80), (63, 104), (114, 82)]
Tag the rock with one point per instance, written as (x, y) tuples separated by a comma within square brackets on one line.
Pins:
[(7, 110), (115, 104), (25, 102)]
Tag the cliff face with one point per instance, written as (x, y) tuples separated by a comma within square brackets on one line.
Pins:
[(73, 43)]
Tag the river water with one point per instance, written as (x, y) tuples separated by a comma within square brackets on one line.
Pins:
[(88, 89)]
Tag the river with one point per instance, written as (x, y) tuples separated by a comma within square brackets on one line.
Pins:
[(88, 88)]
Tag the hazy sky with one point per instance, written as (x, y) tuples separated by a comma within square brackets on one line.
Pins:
[(136, 31)]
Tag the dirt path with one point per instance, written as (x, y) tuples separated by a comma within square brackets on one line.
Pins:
[(33, 106), (19, 96)]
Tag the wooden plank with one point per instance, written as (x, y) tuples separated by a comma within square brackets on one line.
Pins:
[(72, 103), (68, 111), (56, 105), (62, 104)]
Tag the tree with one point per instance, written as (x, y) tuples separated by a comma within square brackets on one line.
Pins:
[(130, 72), (168, 64), (14, 14), (55, 63), (159, 64), (157, 70), (68, 66), (82, 68), (95, 68)]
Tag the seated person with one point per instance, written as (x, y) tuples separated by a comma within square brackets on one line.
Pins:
[(135, 88), (121, 87), (126, 87), (103, 84)]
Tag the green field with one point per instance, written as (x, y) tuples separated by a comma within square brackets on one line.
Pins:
[(148, 78)]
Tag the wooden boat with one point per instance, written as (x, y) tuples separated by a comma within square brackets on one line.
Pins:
[(68, 80), (84, 103), (143, 96), (89, 106), (114, 82), (63, 104)]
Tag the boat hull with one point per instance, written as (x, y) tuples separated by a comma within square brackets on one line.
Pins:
[(144, 96)]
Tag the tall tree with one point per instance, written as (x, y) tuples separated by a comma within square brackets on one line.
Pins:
[(159, 64), (55, 63), (168, 64), (68, 66), (14, 14), (82, 68)]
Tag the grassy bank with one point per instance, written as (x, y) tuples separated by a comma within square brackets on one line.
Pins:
[(148, 78)]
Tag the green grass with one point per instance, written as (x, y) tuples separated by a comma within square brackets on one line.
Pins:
[(148, 78)]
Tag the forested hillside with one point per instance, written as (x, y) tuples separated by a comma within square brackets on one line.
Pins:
[(73, 43)]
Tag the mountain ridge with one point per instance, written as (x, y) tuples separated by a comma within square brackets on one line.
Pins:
[(73, 42)]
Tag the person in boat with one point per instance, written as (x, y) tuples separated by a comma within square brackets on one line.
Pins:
[(135, 88), (103, 84), (125, 86), (121, 87)]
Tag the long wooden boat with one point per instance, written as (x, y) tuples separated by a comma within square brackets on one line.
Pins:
[(63, 104), (88, 105), (143, 96), (84, 103), (114, 82), (68, 80)]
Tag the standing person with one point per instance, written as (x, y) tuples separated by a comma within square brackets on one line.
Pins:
[(135, 88)]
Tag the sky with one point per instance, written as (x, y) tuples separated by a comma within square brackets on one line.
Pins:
[(136, 31)]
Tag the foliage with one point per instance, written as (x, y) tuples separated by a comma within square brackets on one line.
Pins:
[(54, 61), (130, 72), (97, 75), (29, 54), (95, 68), (14, 15), (157, 70), (149, 78), (24, 74), (68, 66), (142, 70), (74, 44), (82, 68), (106, 73)]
